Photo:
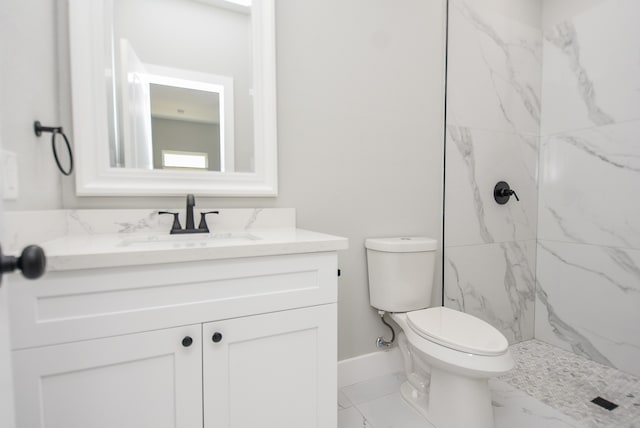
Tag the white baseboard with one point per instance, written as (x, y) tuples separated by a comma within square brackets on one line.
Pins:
[(368, 366)]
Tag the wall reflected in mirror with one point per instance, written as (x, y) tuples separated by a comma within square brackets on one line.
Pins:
[(180, 85), (185, 128)]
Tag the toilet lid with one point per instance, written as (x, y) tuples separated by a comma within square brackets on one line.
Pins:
[(457, 330)]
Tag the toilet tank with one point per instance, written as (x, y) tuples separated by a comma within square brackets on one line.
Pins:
[(401, 272)]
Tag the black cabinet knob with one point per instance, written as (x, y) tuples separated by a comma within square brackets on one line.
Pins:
[(32, 262), (217, 337), (187, 341)]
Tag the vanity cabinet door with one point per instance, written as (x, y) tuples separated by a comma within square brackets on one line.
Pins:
[(273, 370), (144, 380)]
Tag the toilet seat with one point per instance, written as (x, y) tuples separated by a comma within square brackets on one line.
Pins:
[(457, 330)]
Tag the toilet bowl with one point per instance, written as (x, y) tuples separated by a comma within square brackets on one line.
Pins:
[(448, 355), (462, 352)]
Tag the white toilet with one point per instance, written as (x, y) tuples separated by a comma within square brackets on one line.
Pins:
[(449, 356)]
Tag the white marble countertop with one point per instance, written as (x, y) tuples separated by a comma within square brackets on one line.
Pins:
[(73, 252), (88, 239)]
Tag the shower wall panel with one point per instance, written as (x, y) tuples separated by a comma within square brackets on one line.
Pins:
[(493, 121), (588, 253)]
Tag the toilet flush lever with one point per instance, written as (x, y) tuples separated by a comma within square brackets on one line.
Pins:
[(502, 192)]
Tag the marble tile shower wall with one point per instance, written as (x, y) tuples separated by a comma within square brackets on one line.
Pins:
[(588, 252), (493, 122)]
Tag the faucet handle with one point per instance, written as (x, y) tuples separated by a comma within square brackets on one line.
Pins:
[(176, 221), (203, 219)]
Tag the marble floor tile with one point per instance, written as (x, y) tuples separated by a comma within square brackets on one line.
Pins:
[(351, 418), (391, 411), (549, 388), (514, 408), (343, 401), (373, 388)]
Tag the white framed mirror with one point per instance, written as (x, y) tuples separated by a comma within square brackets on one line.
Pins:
[(174, 96)]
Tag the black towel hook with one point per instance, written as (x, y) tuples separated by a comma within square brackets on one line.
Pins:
[(55, 130)]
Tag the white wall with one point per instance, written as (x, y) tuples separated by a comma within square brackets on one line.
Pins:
[(182, 135), (360, 124), (6, 384), (360, 105), (29, 87)]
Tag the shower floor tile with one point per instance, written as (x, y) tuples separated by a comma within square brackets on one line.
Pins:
[(568, 383), (549, 388)]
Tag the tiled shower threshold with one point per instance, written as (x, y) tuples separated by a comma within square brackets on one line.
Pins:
[(549, 388)]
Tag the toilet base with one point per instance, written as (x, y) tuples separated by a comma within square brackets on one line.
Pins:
[(414, 398), (458, 393), (453, 401)]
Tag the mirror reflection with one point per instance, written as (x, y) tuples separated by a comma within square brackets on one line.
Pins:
[(185, 128), (180, 85)]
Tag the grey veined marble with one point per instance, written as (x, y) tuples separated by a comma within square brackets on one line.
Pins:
[(496, 283), (565, 38), (591, 73), (41, 226), (476, 161), (588, 301), (589, 181), (494, 70)]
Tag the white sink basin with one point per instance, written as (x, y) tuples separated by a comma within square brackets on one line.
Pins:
[(190, 240)]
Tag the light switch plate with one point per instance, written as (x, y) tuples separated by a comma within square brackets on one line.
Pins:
[(9, 175)]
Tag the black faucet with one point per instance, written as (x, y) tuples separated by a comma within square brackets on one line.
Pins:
[(176, 228), (191, 202)]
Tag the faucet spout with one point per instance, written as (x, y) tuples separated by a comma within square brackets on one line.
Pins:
[(190, 226), (191, 202)]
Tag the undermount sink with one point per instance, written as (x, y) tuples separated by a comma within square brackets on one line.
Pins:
[(191, 240)]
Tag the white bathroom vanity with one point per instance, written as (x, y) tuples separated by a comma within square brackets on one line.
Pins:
[(235, 328)]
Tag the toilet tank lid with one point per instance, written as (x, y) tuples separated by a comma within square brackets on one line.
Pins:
[(409, 244)]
